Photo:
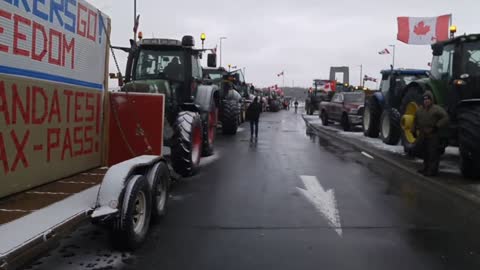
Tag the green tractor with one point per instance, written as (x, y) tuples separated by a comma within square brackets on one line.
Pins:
[(455, 84), (232, 101), (172, 67)]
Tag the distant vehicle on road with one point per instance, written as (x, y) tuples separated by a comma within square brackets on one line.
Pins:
[(322, 91), (345, 108)]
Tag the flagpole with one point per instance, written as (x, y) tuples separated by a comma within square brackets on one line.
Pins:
[(283, 78), (393, 56)]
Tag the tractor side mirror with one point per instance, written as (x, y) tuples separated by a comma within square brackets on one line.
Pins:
[(212, 60), (117, 76), (437, 49)]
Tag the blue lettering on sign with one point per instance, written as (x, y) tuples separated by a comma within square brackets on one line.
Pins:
[(38, 12), (71, 16), (24, 2), (101, 28), (56, 8)]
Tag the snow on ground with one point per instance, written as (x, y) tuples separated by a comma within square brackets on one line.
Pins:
[(374, 142)]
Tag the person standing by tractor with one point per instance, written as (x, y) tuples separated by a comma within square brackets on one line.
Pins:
[(253, 115), (428, 120)]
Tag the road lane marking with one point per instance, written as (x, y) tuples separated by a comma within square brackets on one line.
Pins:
[(367, 155), (16, 210), (77, 182), (47, 193), (324, 201)]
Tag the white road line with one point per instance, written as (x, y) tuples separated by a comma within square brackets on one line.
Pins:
[(16, 210), (94, 174), (47, 193), (77, 182), (324, 201), (367, 155)]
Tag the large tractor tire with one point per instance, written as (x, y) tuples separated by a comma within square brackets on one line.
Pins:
[(230, 116), (389, 128), (209, 122), (131, 227), (469, 138), (408, 108), (371, 119), (187, 143)]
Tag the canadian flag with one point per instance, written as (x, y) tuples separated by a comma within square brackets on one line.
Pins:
[(423, 30), (386, 51)]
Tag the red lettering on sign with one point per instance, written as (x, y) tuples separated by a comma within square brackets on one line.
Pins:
[(89, 107), (55, 108), (68, 94), (88, 140), (92, 15), (3, 155), (51, 143), (20, 149), (99, 100), (3, 104), (78, 118), (8, 16), (36, 119), (17, 19), (78, 140), (68, 47), (36, 28), (67, 144), (82, 24), (54, 34), (18, 104)]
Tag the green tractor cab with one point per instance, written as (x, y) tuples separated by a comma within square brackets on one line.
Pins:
[(455, 83), (172, 67)]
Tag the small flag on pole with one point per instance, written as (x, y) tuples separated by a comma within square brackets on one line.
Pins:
[(423, 30), (385, 51), (281, 74)]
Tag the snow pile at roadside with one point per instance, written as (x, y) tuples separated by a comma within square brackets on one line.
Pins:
[(374, 142)]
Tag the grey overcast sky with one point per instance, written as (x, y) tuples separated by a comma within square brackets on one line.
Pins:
[(303, 38)]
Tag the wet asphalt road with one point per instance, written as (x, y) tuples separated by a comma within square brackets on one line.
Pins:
[(244, 211)]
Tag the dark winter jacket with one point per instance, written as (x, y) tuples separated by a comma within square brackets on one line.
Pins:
[(428, 121), (254, 111)]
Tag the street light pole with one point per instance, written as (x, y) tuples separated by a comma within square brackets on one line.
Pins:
[(393, 56), (221, 38)]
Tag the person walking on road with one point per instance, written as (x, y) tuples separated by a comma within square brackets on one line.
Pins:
[(253, 115), (296, 105), (428, 120)]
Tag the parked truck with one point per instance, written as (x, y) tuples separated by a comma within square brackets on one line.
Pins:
[(454, 82), (70, 151), (345, 108)]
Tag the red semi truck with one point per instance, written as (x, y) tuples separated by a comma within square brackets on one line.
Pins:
[(71, 151)]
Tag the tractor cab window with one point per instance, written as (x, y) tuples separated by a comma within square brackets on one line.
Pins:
[(471, 60), (385, 84), (442, 66), (159, 64), (196, 68)]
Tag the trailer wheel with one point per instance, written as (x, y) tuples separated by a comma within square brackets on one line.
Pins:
[(131, 227), (187, 143), (230, 117), (160, 191), (371, 119)]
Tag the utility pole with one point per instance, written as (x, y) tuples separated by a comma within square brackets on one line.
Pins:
[(221, 38), (135, 19), (361, 75), (393, 56)]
